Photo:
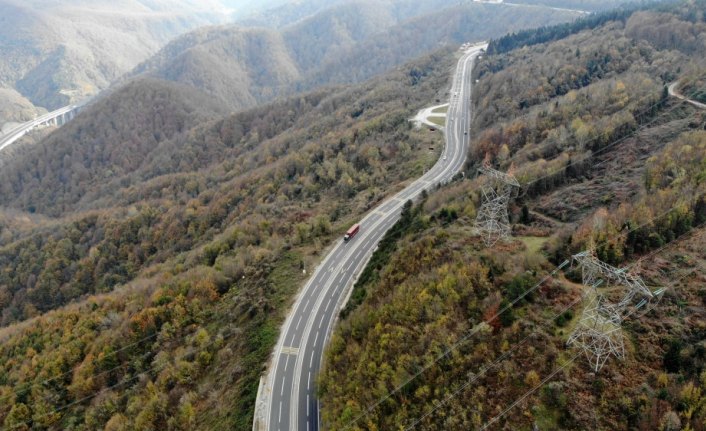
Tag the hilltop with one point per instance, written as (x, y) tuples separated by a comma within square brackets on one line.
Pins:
[(344, 43)]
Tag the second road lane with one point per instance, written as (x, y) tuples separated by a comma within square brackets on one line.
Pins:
[(291, 394)]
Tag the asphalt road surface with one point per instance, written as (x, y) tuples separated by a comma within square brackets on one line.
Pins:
[(19, 131), (290, 393)]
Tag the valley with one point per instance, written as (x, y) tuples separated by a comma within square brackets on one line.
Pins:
[(173, 257)]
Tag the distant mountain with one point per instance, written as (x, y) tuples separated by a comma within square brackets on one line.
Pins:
[(585, 5), (346, 43), (54, 52)]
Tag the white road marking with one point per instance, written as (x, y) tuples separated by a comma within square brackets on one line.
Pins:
[(377, 230), (290, 351), (298, 322)]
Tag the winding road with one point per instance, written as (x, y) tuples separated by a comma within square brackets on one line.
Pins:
[(287, 399), (672, 89)]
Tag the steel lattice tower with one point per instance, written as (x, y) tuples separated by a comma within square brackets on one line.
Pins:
[(492, 221), (598, 333), (635, 294)]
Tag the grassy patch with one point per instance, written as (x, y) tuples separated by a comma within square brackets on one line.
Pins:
[(441, 110), (534, 244), (287, 276), (439, 121), (545, 418)]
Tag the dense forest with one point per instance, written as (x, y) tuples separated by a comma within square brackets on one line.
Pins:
[(155, 305), (444, 333)]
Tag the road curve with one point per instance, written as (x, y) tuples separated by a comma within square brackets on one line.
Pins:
[(672, 89), (287, 401), (15, 134)]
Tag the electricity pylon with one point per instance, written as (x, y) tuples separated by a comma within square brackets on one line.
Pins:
[(635, 294), (598, 333), (492, 221)]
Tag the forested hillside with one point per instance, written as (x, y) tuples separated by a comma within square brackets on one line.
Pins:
[(109, 140), (178, 267), (345, 43), (585, 5), (445, 333), (53, 53)]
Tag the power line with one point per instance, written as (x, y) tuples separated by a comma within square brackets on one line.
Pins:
[(528, 393), (504, 356), (487, 367), (593, 140), (472, 332), (51, 379), (157, 368), (532, 390), (476, 328)]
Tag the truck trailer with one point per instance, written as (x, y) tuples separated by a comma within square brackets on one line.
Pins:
[(351, 232)]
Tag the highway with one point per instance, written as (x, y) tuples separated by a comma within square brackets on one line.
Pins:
[(288, 399), (15, 134)]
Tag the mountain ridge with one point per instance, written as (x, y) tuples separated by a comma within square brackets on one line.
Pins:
[(347, 43)]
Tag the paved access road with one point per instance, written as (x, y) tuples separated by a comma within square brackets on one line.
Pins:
[(288, 401), (675, 93)]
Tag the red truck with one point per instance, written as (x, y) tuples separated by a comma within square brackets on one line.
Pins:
[(351, 232)]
